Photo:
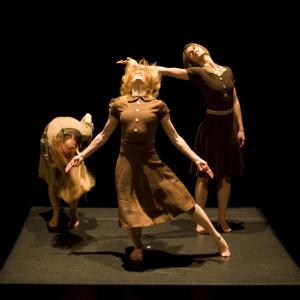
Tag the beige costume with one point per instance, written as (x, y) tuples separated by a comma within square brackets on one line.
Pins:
[(74, 184)]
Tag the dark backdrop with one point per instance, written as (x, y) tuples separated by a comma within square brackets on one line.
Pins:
[(66, 65)]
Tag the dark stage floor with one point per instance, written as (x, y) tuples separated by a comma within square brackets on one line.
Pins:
[(92, 259)]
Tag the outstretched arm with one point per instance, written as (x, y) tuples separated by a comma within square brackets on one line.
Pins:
[(181, 144), (178, 73), (96, 143)]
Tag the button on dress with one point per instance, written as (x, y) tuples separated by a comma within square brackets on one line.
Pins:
[(148, 191), (216, 139)]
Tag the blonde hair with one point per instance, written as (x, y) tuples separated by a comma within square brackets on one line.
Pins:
[(75, 183), (153, 78), (72, 185), (187, 62)]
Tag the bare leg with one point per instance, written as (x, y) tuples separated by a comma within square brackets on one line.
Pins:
[(55, 204), (201, 193), (135, 234), (224, 189), (199, 216), (73, 222)]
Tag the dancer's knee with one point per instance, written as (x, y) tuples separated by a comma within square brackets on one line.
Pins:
[(191, 211)]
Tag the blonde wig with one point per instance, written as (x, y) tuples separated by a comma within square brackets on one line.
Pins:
[(78, 181), (153, 78)]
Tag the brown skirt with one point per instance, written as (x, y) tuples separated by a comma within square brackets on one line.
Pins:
[(148, 191), (217, 143)]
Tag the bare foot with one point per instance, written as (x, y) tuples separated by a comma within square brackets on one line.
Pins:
[(137, 255), (53, 222), (225, 228), (223, 247), (201, 230), (52, 225), (73, 222)]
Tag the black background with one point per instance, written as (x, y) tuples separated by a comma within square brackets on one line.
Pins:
[(62, 61)]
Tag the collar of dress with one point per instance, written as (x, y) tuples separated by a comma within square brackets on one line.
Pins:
[(135, 98)]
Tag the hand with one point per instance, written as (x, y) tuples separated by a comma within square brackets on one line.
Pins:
[(203, 167), (87, 118), (241, 138), (127, 61), (75, 162)]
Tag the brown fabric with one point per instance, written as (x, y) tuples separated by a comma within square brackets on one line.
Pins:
[(148, 191), (216, 139)]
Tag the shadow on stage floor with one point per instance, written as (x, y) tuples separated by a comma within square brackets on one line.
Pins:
[(87, 262)]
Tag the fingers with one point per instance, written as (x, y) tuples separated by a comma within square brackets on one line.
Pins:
[(69, 166), (126, 61), (204, 167), (242, 142), (75, 162), (122, 62), (210, 173)]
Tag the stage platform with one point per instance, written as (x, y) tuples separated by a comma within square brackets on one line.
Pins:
[(94, 258)]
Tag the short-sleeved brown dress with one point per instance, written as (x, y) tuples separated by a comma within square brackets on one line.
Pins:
[(148, 191), (216, 140)]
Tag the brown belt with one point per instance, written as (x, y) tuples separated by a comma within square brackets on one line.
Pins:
[(219, 112)]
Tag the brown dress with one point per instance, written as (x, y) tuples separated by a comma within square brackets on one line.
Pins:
[(216, 140), (148, 191)]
